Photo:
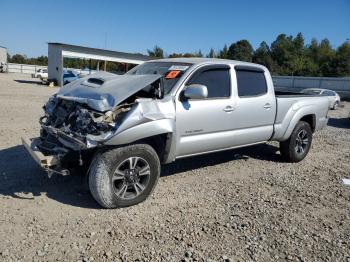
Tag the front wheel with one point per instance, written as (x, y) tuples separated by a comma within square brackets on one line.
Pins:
[(124, 176), (298, 145)]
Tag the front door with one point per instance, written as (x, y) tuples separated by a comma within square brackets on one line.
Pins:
[(203, 125)]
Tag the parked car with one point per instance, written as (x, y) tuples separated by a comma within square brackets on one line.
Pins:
[(69, 76), (40, 73), (3, 67), (121, 128), (86, 71), (333, 97)]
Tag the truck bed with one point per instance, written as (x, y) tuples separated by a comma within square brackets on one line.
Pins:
[(290, 103), (279, 93)]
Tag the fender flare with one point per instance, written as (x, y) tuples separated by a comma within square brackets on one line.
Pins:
[(304, 111)]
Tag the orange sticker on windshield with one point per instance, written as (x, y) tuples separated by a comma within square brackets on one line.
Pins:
[(172, 74)]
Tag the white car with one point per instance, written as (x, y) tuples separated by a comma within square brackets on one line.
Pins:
[(333, 97), (3, 67), (85, 71), (40, 73)]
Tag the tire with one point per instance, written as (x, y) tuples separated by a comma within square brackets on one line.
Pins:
[(336, 104), (124, 176), (298, 145)]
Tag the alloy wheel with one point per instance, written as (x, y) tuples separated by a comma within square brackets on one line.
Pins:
[(301, 142), (131, 177)]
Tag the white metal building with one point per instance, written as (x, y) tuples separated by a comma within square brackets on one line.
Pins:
[(57, 51), (3, 54)]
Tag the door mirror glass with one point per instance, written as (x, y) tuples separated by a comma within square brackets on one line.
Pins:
[(196, 91)]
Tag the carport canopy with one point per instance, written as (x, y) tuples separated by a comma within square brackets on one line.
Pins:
[(57, 51)]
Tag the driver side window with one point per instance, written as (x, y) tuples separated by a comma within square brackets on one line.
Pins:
[(217, 81)]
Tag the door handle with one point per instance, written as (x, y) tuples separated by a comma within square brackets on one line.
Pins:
[(267, 106), (229, 109)]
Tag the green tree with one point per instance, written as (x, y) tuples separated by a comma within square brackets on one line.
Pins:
[(212, 53), (241, 50), (198, 53), (282, 51), (223, 54), (298, 59), (342, 60), (195, 54), (312, 58), (18, 59), (262, 56), (326, 58), (174, 55), (156, 52), (298, 43)]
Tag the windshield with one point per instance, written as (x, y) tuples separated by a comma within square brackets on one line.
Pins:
[(311, 91), (171, 71)]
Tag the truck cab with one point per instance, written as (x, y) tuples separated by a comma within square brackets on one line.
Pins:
[(239, 108)]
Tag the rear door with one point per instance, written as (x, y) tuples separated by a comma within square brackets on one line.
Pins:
[(255, 110)]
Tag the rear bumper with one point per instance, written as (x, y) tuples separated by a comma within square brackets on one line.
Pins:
[(322, 123), (43, 161)]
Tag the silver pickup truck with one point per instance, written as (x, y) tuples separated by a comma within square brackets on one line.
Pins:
[(121, 128)]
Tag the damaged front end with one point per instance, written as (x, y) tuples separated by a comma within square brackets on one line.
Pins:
[(85, 115), (75, 126), (70, 131)]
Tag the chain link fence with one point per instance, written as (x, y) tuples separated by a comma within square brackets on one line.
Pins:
[(23, 68)]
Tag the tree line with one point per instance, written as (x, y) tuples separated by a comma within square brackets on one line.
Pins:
[(68, 63), (286, 55)]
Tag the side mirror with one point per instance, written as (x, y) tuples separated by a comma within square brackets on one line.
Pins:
[(196, 91)]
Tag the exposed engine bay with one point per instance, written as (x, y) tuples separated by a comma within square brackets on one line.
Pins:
[(69, 123)]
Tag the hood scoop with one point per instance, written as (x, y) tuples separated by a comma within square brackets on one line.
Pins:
[(94, 82)]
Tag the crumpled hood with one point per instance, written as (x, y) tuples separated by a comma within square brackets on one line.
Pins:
[(103, 91)]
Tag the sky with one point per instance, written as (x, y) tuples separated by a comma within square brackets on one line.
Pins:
[(176, 26)]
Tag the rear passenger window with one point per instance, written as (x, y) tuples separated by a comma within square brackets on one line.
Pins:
[(216, 80), (251, 83)]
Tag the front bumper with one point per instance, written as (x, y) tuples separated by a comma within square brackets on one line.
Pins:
[(44, 161)]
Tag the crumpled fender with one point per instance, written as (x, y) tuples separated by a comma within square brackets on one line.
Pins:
[(148, 118), (141, 131)]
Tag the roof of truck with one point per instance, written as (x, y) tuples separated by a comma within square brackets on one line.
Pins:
[(200, 60)]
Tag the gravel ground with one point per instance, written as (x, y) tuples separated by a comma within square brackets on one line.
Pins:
[(240, 205)]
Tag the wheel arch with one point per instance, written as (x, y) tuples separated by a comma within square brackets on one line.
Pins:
[(302, 115), (158, 134), (160, 143), (311, 120)]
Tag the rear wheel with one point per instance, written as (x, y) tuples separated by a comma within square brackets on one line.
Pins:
[(298, 145), (124, 176), (336, 104)]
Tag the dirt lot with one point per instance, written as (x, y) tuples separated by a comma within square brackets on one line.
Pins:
[(241, 205)]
